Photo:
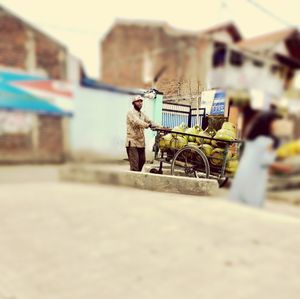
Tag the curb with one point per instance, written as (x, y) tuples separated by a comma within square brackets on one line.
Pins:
[(140, 180)]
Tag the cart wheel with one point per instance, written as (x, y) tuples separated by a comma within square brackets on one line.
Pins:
[(223, 181), (190, 161)]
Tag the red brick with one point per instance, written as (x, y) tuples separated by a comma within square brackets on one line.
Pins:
[(13, 52)]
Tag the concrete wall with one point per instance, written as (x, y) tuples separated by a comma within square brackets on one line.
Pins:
[(98, 128)]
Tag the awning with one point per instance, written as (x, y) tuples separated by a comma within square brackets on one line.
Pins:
[(23, 91), (13, 98)]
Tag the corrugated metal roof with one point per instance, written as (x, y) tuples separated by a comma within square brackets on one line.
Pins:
[(91, 83), (283, 45), (269, 38)]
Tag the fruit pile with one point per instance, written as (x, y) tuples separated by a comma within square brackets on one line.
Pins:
[(212, 148), (289, 149)]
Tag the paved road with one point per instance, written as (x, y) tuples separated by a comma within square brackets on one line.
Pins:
[(73, 241)]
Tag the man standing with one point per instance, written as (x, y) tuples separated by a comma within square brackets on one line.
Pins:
[(137, 122)]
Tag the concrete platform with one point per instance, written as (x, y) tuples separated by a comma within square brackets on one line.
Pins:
[(276, 182), (141, 180)]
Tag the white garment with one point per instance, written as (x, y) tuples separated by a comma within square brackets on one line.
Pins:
[(250, 182)]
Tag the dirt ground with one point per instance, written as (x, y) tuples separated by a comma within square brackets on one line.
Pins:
[(75, 241)]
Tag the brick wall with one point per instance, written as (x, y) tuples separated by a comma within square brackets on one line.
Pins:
[(12, 42), (50, 57), (15, 143), (123, 51), (15, 148), (50, 138), (47, 55), (43, 143)]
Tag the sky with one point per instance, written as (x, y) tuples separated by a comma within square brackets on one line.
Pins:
[(80, 25)]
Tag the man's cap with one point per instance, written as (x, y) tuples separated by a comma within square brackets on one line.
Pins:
[(137, 98)]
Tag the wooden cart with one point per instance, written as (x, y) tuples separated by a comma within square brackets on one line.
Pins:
[(191, 160)]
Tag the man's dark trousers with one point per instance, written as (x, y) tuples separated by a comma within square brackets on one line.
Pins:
[(136, 157)]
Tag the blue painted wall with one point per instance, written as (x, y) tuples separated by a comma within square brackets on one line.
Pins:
[(99, 123)]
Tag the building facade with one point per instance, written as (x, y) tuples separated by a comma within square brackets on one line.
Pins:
[(25, 47), (136, 54), (32, 65)]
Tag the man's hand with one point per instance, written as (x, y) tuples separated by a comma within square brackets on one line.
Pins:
[(153, 126)]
